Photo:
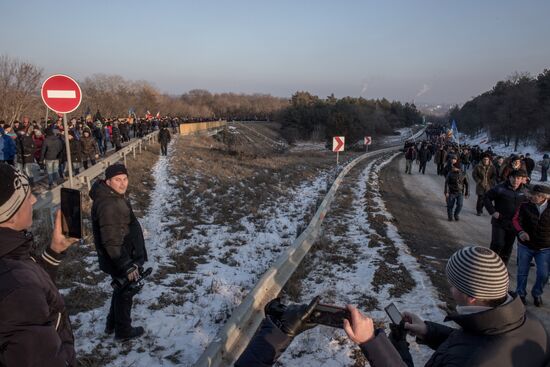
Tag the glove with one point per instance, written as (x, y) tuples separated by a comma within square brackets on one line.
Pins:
[(292, 319), (398, 332)]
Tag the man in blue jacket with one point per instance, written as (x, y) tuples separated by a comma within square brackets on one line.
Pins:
[(7, 148), (494, 327)]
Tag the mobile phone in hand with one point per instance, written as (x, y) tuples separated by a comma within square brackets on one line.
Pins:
[(71, 212), (394, 314), (329, 315)]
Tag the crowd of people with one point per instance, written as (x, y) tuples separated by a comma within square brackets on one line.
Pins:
[(494, 327), (40, 145)]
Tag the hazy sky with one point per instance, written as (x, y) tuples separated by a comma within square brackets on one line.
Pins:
[(423, 50)]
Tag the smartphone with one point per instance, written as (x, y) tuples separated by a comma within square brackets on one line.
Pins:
[(394, 314), (329, 315), (71, 212)]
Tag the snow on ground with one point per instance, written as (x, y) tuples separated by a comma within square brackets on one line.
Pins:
[(499, 148), (183, 310), (355, 284)]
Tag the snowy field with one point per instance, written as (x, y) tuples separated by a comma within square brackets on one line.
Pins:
[(355, 278), (183, 310)]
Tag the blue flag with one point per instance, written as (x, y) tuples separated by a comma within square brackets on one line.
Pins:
[(454, 131)]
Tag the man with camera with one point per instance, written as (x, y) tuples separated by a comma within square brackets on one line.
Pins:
[(495, 329), (120, 247), (34, 325)]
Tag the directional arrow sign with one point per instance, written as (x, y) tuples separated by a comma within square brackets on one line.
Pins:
[(61, 93), (338, 143), (368, 140)]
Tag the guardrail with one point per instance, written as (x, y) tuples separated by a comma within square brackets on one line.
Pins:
[(52, 197), (233, 338)]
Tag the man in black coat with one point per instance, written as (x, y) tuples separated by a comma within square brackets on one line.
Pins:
[(52, 148), (120, 246), (34, 324), (501, 202), (495, 329), (424, 155), (164, 139), (25, 154), (456, 188)]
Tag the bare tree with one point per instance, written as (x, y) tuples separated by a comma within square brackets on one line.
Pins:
[(18, 87)]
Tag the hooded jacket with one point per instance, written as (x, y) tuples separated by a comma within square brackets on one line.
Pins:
[(7, 147), (34, 325), (117, 233)]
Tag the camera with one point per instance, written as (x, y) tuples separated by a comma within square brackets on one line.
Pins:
[(124, 284)]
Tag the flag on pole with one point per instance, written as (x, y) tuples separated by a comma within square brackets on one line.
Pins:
[(454, 131)]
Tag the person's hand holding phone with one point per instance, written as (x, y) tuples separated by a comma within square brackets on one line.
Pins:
[(60, 243), (361, 328), (415, 325)]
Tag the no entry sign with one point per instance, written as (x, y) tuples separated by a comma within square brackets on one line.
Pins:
[(61, 93), (338, 143)]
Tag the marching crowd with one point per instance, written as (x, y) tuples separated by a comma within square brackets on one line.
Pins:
[(30, 145)]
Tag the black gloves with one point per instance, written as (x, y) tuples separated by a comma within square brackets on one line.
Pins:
[(398, 332), (291, 319)]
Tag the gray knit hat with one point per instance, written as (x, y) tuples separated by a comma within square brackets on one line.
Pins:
[(478, 272), (14, 189)]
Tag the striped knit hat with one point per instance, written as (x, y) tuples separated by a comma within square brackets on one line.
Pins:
[(478, 272)]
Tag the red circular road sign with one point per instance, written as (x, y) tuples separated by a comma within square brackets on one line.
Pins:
[(61, 93)]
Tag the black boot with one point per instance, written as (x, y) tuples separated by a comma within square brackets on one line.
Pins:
[(131, 333), (538, 301)]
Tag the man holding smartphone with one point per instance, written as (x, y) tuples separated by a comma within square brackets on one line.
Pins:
[(120, 246), (34, 325), (495, 329)]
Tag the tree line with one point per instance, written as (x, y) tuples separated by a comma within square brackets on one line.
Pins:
[(515, 110), (311, 117), (115, 96)]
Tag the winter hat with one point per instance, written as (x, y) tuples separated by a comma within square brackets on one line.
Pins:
[(519, 173), (115, 169), (478, 272), (14, 188), (539, 189)]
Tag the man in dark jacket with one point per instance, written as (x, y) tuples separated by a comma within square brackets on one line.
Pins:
[(495, 329), (25, 151), (532, 224), (507, 197), (485, 175), (164, 139), (120, 246), (529, 164), (423, 158), (410, 157), (456, 187), (51, 154), (34, 324)]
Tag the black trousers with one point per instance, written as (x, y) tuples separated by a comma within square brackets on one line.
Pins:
[(119, 316), (164, 148), (422, 167), (479, 203), (502, 242)]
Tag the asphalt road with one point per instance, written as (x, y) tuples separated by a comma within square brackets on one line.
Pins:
[(421, 198)]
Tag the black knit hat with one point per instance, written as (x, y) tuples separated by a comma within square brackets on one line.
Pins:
[(14, 188), (519, 173), (478, 272), (114, 170), (539, 189)]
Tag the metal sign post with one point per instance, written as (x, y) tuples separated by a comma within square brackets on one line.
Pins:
[(68, 149)]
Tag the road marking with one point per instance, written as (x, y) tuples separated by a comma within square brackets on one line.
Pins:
[(61, 93)]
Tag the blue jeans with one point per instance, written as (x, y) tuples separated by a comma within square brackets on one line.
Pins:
[(542, 258), (52, 167), (452, 200)]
